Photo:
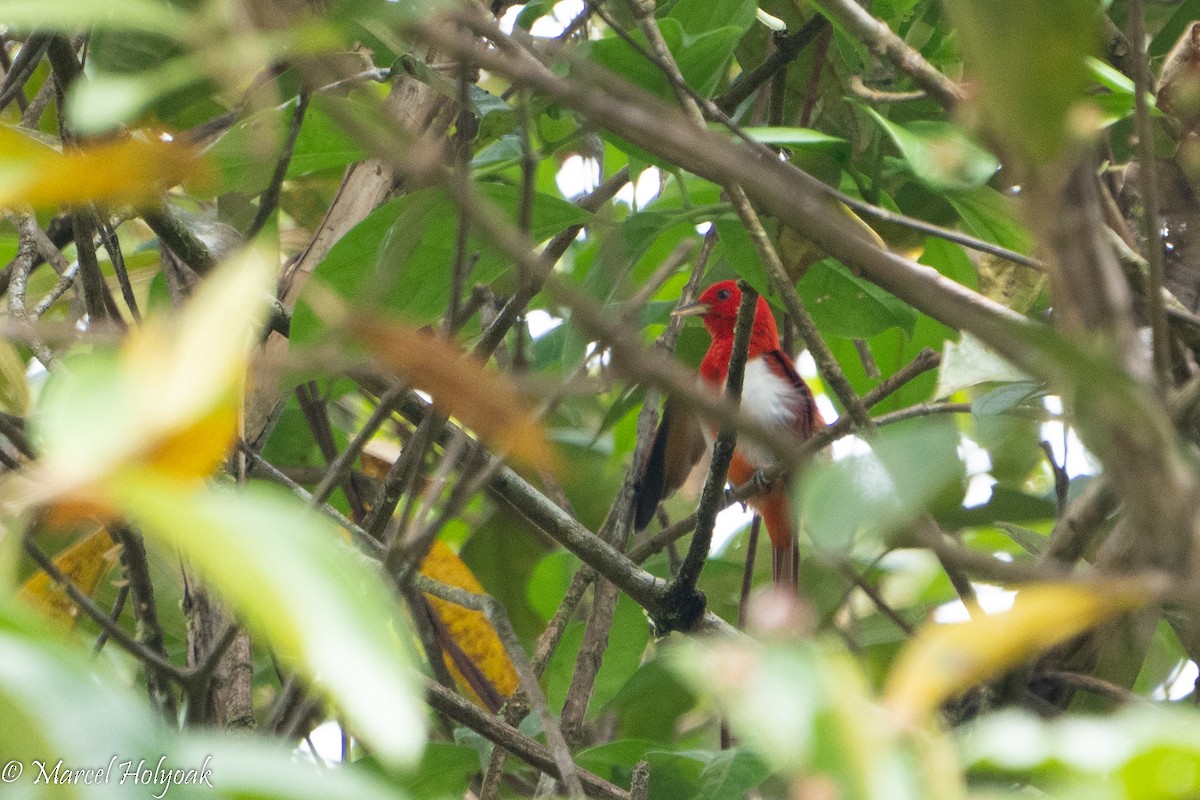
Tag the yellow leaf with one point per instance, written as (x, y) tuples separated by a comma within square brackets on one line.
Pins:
[(85, 563), (184, 366), (133, 170), (198, 449), (485, 401), (469, 630), (943, 661)]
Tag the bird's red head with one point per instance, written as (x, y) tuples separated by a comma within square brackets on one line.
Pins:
[(718, 307)]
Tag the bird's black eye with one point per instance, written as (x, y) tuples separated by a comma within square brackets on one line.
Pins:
[(723, 294)]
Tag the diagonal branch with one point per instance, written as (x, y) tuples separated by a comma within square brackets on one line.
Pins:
[(876, 35)]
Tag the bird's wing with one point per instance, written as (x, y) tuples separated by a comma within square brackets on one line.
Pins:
[(678, 445), (808, 420)]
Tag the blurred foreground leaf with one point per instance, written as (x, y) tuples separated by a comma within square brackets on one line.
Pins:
[(1139, 753), (939, 154), (69, 15), (1029, 61), (168, 399), (56, 708), (942, 661), (323, 606), (804, 708), (137, 169)]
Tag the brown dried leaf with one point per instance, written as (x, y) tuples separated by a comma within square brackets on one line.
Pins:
[(485, 401)]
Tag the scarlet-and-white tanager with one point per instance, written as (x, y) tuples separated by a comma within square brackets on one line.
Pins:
[(772, 393)]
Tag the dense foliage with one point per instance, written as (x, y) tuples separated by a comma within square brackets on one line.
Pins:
[(337, 333)]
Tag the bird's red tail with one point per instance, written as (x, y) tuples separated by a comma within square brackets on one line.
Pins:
[(776, 512)]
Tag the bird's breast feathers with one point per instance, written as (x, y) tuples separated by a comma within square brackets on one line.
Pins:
[(767, 396), (771, 399)]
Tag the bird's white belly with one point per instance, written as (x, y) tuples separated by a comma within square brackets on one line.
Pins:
[(766, 398)]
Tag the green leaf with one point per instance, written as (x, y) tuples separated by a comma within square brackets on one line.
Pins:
[(549, 581), (969, 362), (1183, 16), (110, 99), (893, 12), (914, 466), (845, 305), (731, 775), (67, 16), (939, 154), (52, 705), (991, 216), (703, 60), (289, 575), (1005, 504), (247, 153), (626, 645), (14, 389), (244, 768), (700, 16), (1140, 753), (445, 770), (503, 559), (532, 12), (1004, 399), (61, 705), (401, 256), (676, 774), (772, 696), (614, 761), (651, 702)]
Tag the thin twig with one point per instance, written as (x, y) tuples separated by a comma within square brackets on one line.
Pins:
[(19, 277), (145, 609), (495, 730), (877, 36), (568, 772), (23, 67), (268, 201), (154, 660), (1150, 201), (787, 48), (173, 233), (96, 297), (316, 414), (875, 96), (1090, 683), (112, 245), (682, 604), (65, 282), (339, 468), (274, 473), (114, 615)]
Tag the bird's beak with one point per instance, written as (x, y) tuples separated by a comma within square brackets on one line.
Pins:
[(692, 310)]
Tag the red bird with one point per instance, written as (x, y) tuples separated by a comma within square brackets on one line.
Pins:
[(772, 393)]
